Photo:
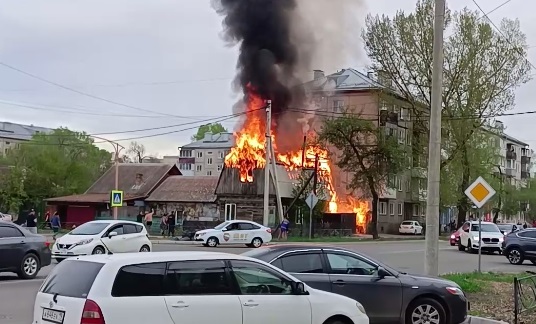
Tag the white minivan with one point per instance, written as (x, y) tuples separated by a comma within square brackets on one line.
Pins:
[(184, 287)]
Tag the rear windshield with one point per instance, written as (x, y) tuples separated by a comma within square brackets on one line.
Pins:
[(407, 223), (72, 278)]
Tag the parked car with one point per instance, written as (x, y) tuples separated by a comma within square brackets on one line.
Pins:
[(454, 238), (410, 227), (184, 287), (492, 237), (507, 228), (22, 252), (520, 246), (388, 295), (6, 217), (100, 237), (235, 232)]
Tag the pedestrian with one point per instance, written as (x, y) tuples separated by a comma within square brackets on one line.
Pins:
[(31, 222), (47, 220), (149, 220), (140, 217), (55, 223), (284, 228), (164, 225), (525, 225), (171, 225)]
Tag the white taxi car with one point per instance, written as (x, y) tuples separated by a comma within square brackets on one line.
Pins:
[(100, 237), (184, 287), (410, 227), (235, 232), (491, 240)]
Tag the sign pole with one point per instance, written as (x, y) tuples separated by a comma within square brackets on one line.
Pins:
[(479, 240)]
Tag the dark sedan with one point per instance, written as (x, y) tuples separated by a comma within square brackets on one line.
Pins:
[(22, 252), (520, 246), (389, 296)]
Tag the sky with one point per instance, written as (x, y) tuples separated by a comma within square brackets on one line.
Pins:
[(114, 66)]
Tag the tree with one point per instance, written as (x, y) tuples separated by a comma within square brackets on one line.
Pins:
[(482, 69), (301, 203), (12, 194), (369, 155), (63, 162), (214, 128), (136, 152)]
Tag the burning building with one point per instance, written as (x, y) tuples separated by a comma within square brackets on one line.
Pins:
[(271, 62)]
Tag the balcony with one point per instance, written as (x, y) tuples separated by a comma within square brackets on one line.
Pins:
[(509, 172), (388, 117), (419, 172), (419, 195), (511, 155), (525, 175), (190, 160), (388, 193), (525, 159)]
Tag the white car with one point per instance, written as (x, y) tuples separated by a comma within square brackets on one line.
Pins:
[(235, 232), (410, 227), (100, 237), (492, 237), (6, 217), (184, 287)]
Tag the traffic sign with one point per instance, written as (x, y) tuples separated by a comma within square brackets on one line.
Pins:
[(311, 200), (479, 192), (116, 198)]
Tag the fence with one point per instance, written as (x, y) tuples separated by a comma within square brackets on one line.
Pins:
[(524, 295)]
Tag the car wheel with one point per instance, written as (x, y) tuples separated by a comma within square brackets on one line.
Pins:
[(29, 266), (470, 247), (212, 242), (256, 242), (426, 310), (460, 246), (145, 248), (98, 250), (515, 256)]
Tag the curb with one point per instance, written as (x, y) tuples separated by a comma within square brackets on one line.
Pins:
[(309, 243), (481, 320)]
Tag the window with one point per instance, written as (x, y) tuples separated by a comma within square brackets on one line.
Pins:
[(185, 166), (118, 229), (257, 279), (198, 168), (247, 226), (209, 161), (423, 210), (399, 183), (391, 209), (130, 229), (62, 282), (400, 209), (346, 264), (302, 263), (382, 208), (230, 212), (9, 231), (199, 154), (528, 234), (149, 279), (209, 153), (205, 277), (401, 136), (415, 210), (220, 167), (221, 155), (338, 106), (185, 153), (209, 172), (489, 228)]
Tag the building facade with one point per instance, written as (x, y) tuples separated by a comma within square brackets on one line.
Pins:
[(11, 135), (205, 157), (514, 161)]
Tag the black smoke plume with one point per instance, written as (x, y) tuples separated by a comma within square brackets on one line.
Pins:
[(268, 59)]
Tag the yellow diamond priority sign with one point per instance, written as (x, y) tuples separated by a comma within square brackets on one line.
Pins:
[(479, 192)]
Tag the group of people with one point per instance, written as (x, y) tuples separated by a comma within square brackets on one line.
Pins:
[(167, 222)]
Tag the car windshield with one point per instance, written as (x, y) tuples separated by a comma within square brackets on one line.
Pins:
[(89, 229), (222, 225), (490, 228)]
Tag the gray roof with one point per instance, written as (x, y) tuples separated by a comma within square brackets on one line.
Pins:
[(186, 189), (345, 79), (513, 139), (20, 132), (215, 141)]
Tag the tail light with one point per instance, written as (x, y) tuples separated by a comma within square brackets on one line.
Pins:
[(92, 313), (269, 230), (47, 244)]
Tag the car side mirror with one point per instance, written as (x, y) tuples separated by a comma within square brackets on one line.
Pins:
[(224, 229), (112, 234), (382, 273), (466, 230), (299, 288)]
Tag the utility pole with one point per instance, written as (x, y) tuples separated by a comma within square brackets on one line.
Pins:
[(266, 209), (315, 181), (116, 184), (431, 254)]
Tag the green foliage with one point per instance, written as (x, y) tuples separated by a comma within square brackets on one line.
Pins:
[(12, 193), (61, 163), (321, 193), (214, 128), (364, 151)]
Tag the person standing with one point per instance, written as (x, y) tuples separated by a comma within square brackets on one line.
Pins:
[(171, 225), (149, 220), (55, 223), (284, 228), (47, 220), (164, 224), (31, 222)]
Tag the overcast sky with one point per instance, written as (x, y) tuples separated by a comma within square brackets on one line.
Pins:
[(164, 57)]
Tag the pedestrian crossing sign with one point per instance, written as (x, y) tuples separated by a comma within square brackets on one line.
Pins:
[(116, 198)]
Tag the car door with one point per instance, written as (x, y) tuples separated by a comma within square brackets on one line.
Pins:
[(267, 296), (132, 239), (247, 232), (356, 277), (418, 226), (195, 285), (116, 244), (527, 240), (232, 233), (308, 266), (12, 246)]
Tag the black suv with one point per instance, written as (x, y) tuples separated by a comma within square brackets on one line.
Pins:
[(520, 246)]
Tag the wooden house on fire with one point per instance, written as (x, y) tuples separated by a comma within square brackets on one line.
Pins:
[(244, 200)]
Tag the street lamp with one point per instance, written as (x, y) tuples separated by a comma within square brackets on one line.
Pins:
[(117, 148)]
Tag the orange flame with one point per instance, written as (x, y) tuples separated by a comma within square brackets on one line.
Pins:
[(249, 153)]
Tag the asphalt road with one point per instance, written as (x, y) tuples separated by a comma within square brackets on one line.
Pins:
[(17, 296)]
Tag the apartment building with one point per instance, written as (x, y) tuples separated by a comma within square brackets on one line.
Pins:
[(372, 97), (205, 157), (514, 161), (11, 135)]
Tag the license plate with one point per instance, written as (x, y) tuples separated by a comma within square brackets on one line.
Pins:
[(62, 251), (54, 316)]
